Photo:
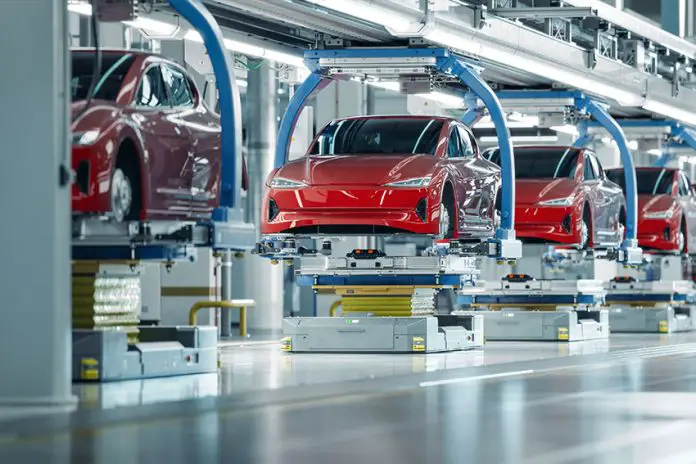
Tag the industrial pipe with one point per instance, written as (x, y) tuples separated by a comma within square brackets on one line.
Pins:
[(242, 305)]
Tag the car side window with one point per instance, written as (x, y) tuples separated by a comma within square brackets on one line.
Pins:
[(684, 190), (151, 92), (467, 143), (454, 150), (588, 171), (178, 85)]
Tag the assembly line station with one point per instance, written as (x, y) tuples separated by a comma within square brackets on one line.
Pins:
[(246, 347)]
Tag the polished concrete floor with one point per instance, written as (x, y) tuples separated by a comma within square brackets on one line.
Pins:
[(629, 399), (254, 366)]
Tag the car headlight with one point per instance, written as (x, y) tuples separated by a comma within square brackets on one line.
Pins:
[(280, 183), (416, 182), (659, 214), (85, 138), (559, 201)]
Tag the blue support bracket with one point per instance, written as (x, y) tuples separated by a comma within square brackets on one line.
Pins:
[(474, 112), (505, 246), (230, 106)]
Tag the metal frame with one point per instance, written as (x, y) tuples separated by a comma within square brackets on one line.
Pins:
[(341, 64), (586, 107), (677, 136)]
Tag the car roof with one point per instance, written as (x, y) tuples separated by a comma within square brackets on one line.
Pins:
[(400, 116), (113, 51), (644, 168)]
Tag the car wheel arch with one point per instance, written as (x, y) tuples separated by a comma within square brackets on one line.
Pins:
[(448, 187), (130, 150)]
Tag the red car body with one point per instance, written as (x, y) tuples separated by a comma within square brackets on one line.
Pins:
[(385, 175), (563, 196), (147, 124), (666, 209)]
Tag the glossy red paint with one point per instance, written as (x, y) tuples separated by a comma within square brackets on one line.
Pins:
[(542, 215), (169, 149), (666, 209), (347, 194)]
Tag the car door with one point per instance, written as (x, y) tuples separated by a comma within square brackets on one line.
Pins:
[(167, 146), (610, 203), (205, 132), (485, 179), (589, 185), (688, 204), (464, 188)]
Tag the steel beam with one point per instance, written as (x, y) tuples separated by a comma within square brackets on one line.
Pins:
[(544, 12)]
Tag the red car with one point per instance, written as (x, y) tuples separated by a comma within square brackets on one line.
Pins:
[(563, 196), (666, 209), (385, 175), (147, 147)]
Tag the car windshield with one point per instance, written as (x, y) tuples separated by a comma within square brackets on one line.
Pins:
[(541, 162), (379, 136), (114, 68), (650, 181)]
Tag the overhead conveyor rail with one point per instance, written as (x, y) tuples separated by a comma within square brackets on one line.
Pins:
[(424, 63), (671, 138), (170, 241)]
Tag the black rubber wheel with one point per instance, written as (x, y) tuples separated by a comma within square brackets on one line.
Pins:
[(448, 203)]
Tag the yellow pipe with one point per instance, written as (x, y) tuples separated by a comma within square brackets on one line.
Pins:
[(242, 305), (334, 306)]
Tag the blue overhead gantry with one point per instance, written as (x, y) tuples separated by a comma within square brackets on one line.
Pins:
[(581, 107), (673, 136), (390, 63), (172, 240)]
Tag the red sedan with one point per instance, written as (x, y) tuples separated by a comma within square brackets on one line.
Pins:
[(666, 209), (147, 147), (563, 196), (385, 175)]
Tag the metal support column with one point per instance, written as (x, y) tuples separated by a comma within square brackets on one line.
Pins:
[(36, 292), (263, 280), (225, 292)]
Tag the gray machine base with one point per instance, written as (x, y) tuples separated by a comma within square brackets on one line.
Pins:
[(418, 334), (652, 320), (554, 326), (104, 356)]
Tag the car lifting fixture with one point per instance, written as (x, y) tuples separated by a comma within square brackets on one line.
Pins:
[(574, 107), (416, 70), (655, 305), (387, 303), (520, 308)]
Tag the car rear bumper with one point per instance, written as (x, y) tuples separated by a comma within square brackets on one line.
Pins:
[(552, 224)]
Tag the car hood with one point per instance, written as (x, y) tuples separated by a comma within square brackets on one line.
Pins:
[(97, 114), (357, 169), (654, 203), (530, 191)]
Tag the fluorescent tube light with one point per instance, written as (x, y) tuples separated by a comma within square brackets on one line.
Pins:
[(654, 152)]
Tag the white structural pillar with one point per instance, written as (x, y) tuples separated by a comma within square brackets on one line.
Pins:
[(35, 334), (263, 281)]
